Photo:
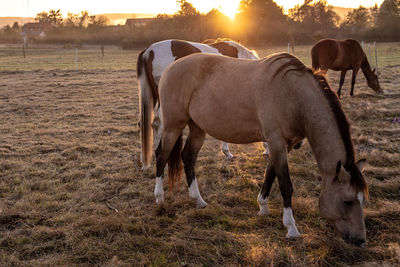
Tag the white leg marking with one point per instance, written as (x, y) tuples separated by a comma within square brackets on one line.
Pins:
[(289, 223), (360, 197), (263, 203), (159, 190), (225, 150), (195, 193), (266, 152)]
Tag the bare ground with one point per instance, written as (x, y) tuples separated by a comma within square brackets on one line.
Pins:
[(72, 192)]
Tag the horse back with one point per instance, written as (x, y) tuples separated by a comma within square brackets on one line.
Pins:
[(213, 89), (324, 54)]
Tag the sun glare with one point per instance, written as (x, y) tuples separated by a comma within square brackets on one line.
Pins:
[(228, 7)]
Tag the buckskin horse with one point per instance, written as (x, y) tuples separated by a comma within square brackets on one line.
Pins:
[(283, 103), (151, 63), (344, 55)]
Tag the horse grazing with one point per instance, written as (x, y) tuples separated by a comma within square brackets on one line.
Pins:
[(151, 64), (344, 55), (283, 103)]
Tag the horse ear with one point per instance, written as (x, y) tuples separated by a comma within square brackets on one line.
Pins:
[(360, 164), (338, 167), (374, 70)]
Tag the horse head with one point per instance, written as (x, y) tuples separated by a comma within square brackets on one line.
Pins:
[(373, 82), (341, 202)]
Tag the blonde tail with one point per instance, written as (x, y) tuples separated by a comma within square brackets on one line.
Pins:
[(146, 103)]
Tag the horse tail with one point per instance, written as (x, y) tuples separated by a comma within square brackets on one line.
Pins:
[(146, 103), (175, 163)]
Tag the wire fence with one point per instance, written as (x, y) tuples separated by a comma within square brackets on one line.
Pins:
[(51, 57), (88, 57)]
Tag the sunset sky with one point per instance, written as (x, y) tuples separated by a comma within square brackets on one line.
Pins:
[(29, 8)]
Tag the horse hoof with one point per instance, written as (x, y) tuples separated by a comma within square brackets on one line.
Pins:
[(263, 212), (266, 153), (145, 167), (201, 204), (229, 156), (160, 200), (292, 234)]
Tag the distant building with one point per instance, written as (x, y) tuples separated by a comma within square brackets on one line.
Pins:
[(138, 22), (35, 29)]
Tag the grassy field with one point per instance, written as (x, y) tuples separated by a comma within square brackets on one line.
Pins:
[(72, 192)]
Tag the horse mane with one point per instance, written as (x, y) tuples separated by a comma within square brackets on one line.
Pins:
[(357, 179), (293, 62), (218, 40)]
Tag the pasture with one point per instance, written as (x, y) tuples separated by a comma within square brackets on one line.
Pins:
[(72, 191)]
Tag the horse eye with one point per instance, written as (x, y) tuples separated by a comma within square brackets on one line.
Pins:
[(348, 203)]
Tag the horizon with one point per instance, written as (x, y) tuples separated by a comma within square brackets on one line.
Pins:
[(28, 9)]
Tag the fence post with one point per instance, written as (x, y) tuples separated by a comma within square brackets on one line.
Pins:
[(376, 58), (369, 51), (76, 59), (288, 47), (23, 50), (293, 47), (102, 50)]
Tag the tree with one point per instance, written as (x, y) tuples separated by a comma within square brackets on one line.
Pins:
[(55, 17), (388, 21), (98, 21), (389, 12), (42, 17), (186, 9), (315, 17), (359, 19), (83, 20), (72, 20), (261, 10), (16, 26), (262, 21)]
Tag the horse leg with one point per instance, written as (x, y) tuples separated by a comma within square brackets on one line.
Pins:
[(262, 198), (342, 76), (163, 151), (353, 81), (279, 161), (157, 127), (189, 154), (225, 150)]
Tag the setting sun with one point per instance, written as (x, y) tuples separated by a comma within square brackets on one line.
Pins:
[(228, 7)]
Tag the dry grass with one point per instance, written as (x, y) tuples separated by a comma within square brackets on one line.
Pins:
[(72, 192)]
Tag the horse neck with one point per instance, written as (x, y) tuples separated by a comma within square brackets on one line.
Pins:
[(323, 134), (366, 69)]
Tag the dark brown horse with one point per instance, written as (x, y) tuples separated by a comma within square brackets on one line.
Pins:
[(344, 55)]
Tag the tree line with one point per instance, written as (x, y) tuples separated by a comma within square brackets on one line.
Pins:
[(257, 22)]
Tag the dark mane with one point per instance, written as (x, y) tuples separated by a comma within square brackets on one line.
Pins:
[(357, 179), (293, 62)]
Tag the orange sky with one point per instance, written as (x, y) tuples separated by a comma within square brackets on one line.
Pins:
[(23, 8)]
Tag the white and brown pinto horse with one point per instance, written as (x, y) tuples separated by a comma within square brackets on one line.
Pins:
[(283, 102), (151, 64)]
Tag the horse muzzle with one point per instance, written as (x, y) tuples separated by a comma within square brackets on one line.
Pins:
[(354, 240)]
